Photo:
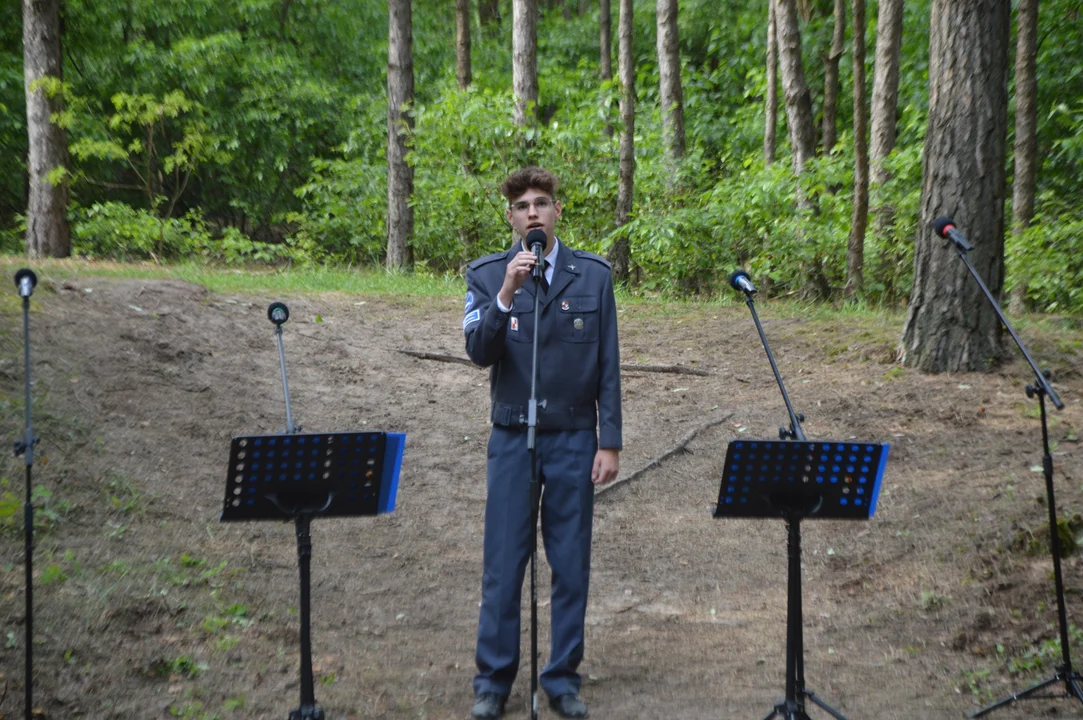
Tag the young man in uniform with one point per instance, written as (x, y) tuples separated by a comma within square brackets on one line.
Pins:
[(577, 443)]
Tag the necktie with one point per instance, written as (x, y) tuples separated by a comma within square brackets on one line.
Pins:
[(545, 283)]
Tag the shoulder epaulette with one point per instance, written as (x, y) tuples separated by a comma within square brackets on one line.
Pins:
[(486, 259), (591, 256)]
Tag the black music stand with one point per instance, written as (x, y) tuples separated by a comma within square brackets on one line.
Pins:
[(297, 477), (793, 480), (302, 476)]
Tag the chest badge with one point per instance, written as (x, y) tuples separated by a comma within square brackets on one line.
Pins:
[(564, 305), (514, 324), (578, 324)]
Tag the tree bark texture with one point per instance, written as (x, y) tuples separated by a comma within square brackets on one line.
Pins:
[(400, 124), (831, 77), (605, 30), (950, 326), (524, 59), (462, 44), (619, 252), (47, 230), (885, 101), (669, 75), (798, 100), (855, 249), (771, 101), (1026, 132), (489, 12)]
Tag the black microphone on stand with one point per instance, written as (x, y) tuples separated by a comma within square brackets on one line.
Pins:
[(739, 280), (25, 281), (945, 227), (536, 240)]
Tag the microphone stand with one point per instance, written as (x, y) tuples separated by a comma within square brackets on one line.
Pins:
[(278, 314), (1042, 389), (535, 485), (25, 281), (793, 707)]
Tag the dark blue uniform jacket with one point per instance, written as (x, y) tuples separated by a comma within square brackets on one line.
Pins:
[(578, 357)]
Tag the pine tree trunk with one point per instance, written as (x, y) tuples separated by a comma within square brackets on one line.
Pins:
[(669, 75), (950, 325), (831, 78), (462, 44), (855, 250), (885, 100), (1026, 128), (400, 124), (524, 59), (795, 89), (771, 101), (47, 231), (619, 252)]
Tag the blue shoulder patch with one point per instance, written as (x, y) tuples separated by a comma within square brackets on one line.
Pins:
[(469, 300)]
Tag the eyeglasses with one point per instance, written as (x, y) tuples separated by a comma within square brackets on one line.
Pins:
[(540, 204)]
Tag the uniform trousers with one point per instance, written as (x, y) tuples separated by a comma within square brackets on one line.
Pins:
[(566, 460)]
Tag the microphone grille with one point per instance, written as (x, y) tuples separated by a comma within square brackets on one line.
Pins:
[(941, 225)]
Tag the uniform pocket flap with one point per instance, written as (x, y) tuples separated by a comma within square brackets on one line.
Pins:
[(582, 304)]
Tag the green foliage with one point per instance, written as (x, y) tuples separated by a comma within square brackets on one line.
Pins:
[(255, 132), (1048, 256)]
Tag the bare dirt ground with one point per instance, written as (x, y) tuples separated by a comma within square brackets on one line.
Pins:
[(147, 607)]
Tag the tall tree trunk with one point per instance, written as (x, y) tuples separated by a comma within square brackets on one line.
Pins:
[(47, 231), (400, 124), (1026, 124), (798, 99), (771, 101), (605, 25), (489, 13), (669, 76), (855, 250), (885, 101), (524, 59), (831, 77), (619, 252), (949, 323), (462, 44)]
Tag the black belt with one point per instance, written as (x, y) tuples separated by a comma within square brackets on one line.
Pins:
[(550, 417)]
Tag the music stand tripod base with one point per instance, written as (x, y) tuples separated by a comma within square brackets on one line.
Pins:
[(302, 476), (794, 480)]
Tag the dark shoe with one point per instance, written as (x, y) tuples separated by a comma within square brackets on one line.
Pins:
[(489, 706), (569, 706)]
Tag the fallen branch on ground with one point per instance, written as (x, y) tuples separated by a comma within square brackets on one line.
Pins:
[(679, 447), (676, 369)]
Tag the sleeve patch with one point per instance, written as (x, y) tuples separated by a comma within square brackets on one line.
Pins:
[(471, 318), (469, 300)]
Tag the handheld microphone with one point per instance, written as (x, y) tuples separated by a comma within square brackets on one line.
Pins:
[(739, 280), (25, 280), (278, 313), (536, 240), (945, 227)]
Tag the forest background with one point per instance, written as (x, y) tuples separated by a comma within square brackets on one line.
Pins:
[(258, 131)]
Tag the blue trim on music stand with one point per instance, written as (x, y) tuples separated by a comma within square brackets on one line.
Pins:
[(879, 478), (389, 484)]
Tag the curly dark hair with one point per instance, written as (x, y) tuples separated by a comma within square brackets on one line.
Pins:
[(529, 178)]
